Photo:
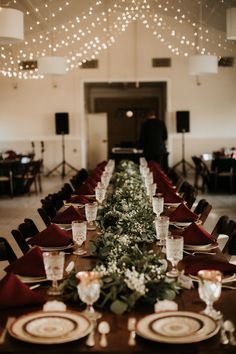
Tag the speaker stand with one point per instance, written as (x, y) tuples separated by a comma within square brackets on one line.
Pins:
[(62, 164), (183, 162)]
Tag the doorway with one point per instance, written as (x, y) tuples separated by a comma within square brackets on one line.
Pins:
[(126, 106)]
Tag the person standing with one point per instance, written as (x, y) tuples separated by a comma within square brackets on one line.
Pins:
[(153, 137)]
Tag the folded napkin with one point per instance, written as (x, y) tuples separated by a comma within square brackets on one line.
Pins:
[(102, 164), (183, 214), (171, 197), (68, 215), (85, 189), (14, 293), (192, 264), (79, 199), (91, 181), (196, 235), (52, 236), (30, 264)]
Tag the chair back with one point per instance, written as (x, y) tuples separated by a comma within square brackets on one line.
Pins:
[(20, 240), (203, 209), (6, 251)]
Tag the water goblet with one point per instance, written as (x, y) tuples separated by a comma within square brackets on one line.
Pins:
[(158, 204), (162, 228), (174, 253), (91, 215), (105, 179), (89, 291), (79, 230), (100, 193), (54, 268), (209, 289)]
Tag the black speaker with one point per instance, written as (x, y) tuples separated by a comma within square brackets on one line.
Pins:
[(62, 123), (182, 121)]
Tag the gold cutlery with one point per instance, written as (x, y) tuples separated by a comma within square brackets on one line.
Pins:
[(131, 328), (4, 332), (90, 342)]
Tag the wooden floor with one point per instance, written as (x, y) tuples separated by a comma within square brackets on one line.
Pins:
[(13, 211)]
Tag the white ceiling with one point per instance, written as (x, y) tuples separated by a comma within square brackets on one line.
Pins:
[(70, 19)]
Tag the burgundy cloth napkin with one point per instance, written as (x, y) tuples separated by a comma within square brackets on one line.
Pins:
[(192, 264), (30, 264), (52, 236), (85, 189), (102, 164), (14, 293), (79, 199), (68, 215), (170, 196), (196, 235), (183, 214), (91, 181)]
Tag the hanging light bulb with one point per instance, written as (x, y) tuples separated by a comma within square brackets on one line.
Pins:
[(11, 26)]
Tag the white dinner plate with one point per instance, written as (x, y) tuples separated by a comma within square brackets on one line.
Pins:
[(58, 248), (172, 205), (208, 247), (52, 327), (31, 280), (66, 227), (177, 327), (226, 279), (184, 223)]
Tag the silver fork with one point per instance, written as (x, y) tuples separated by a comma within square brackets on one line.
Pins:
[(4, 332)]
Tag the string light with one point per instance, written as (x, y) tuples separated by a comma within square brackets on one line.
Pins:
[(83, 37)]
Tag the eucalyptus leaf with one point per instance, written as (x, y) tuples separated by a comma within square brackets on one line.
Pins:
[(118, 307)]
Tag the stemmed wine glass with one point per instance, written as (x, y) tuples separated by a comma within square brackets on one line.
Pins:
[(54, 268), (91, 215), (158, 204), (174, 253), (162, 228), (79, 230), (209, 289), (100, 193), (89, 291)]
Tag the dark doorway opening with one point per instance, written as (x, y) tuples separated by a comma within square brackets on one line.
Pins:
[(126, 105)]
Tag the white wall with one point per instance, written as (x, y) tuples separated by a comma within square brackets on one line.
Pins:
[(27, 112)]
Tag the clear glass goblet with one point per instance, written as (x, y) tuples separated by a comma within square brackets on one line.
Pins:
[(162, 228), (54, 269), (174, 253), (89, 291), (209, 289), (100, 193), (91, 215), (158, 204), (79, 231)]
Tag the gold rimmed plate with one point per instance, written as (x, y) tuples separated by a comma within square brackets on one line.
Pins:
[(31, 280), (177, 327), (57, 248), (207, 247), (226, 278), (52, 327)]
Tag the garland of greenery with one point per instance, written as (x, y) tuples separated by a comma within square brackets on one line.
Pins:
[(131, 272)]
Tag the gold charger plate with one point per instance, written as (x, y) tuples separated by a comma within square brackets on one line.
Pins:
[(52, 327), (31, 280), (177, 327), (57, 248)]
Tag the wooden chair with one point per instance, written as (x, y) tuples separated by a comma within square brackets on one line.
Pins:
[(6, 178), (25, 231), (225, 171), (79, 178), (203, 209), (47, 213), (188, 193), (6, 251), (203, 176)]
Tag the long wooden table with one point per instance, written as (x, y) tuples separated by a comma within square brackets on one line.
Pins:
[(118, 337)]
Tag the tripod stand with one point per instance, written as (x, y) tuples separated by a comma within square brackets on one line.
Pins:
[(62, 164), (183, 162)]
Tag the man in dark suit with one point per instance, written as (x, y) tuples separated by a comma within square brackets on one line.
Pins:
[(153, 136)]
